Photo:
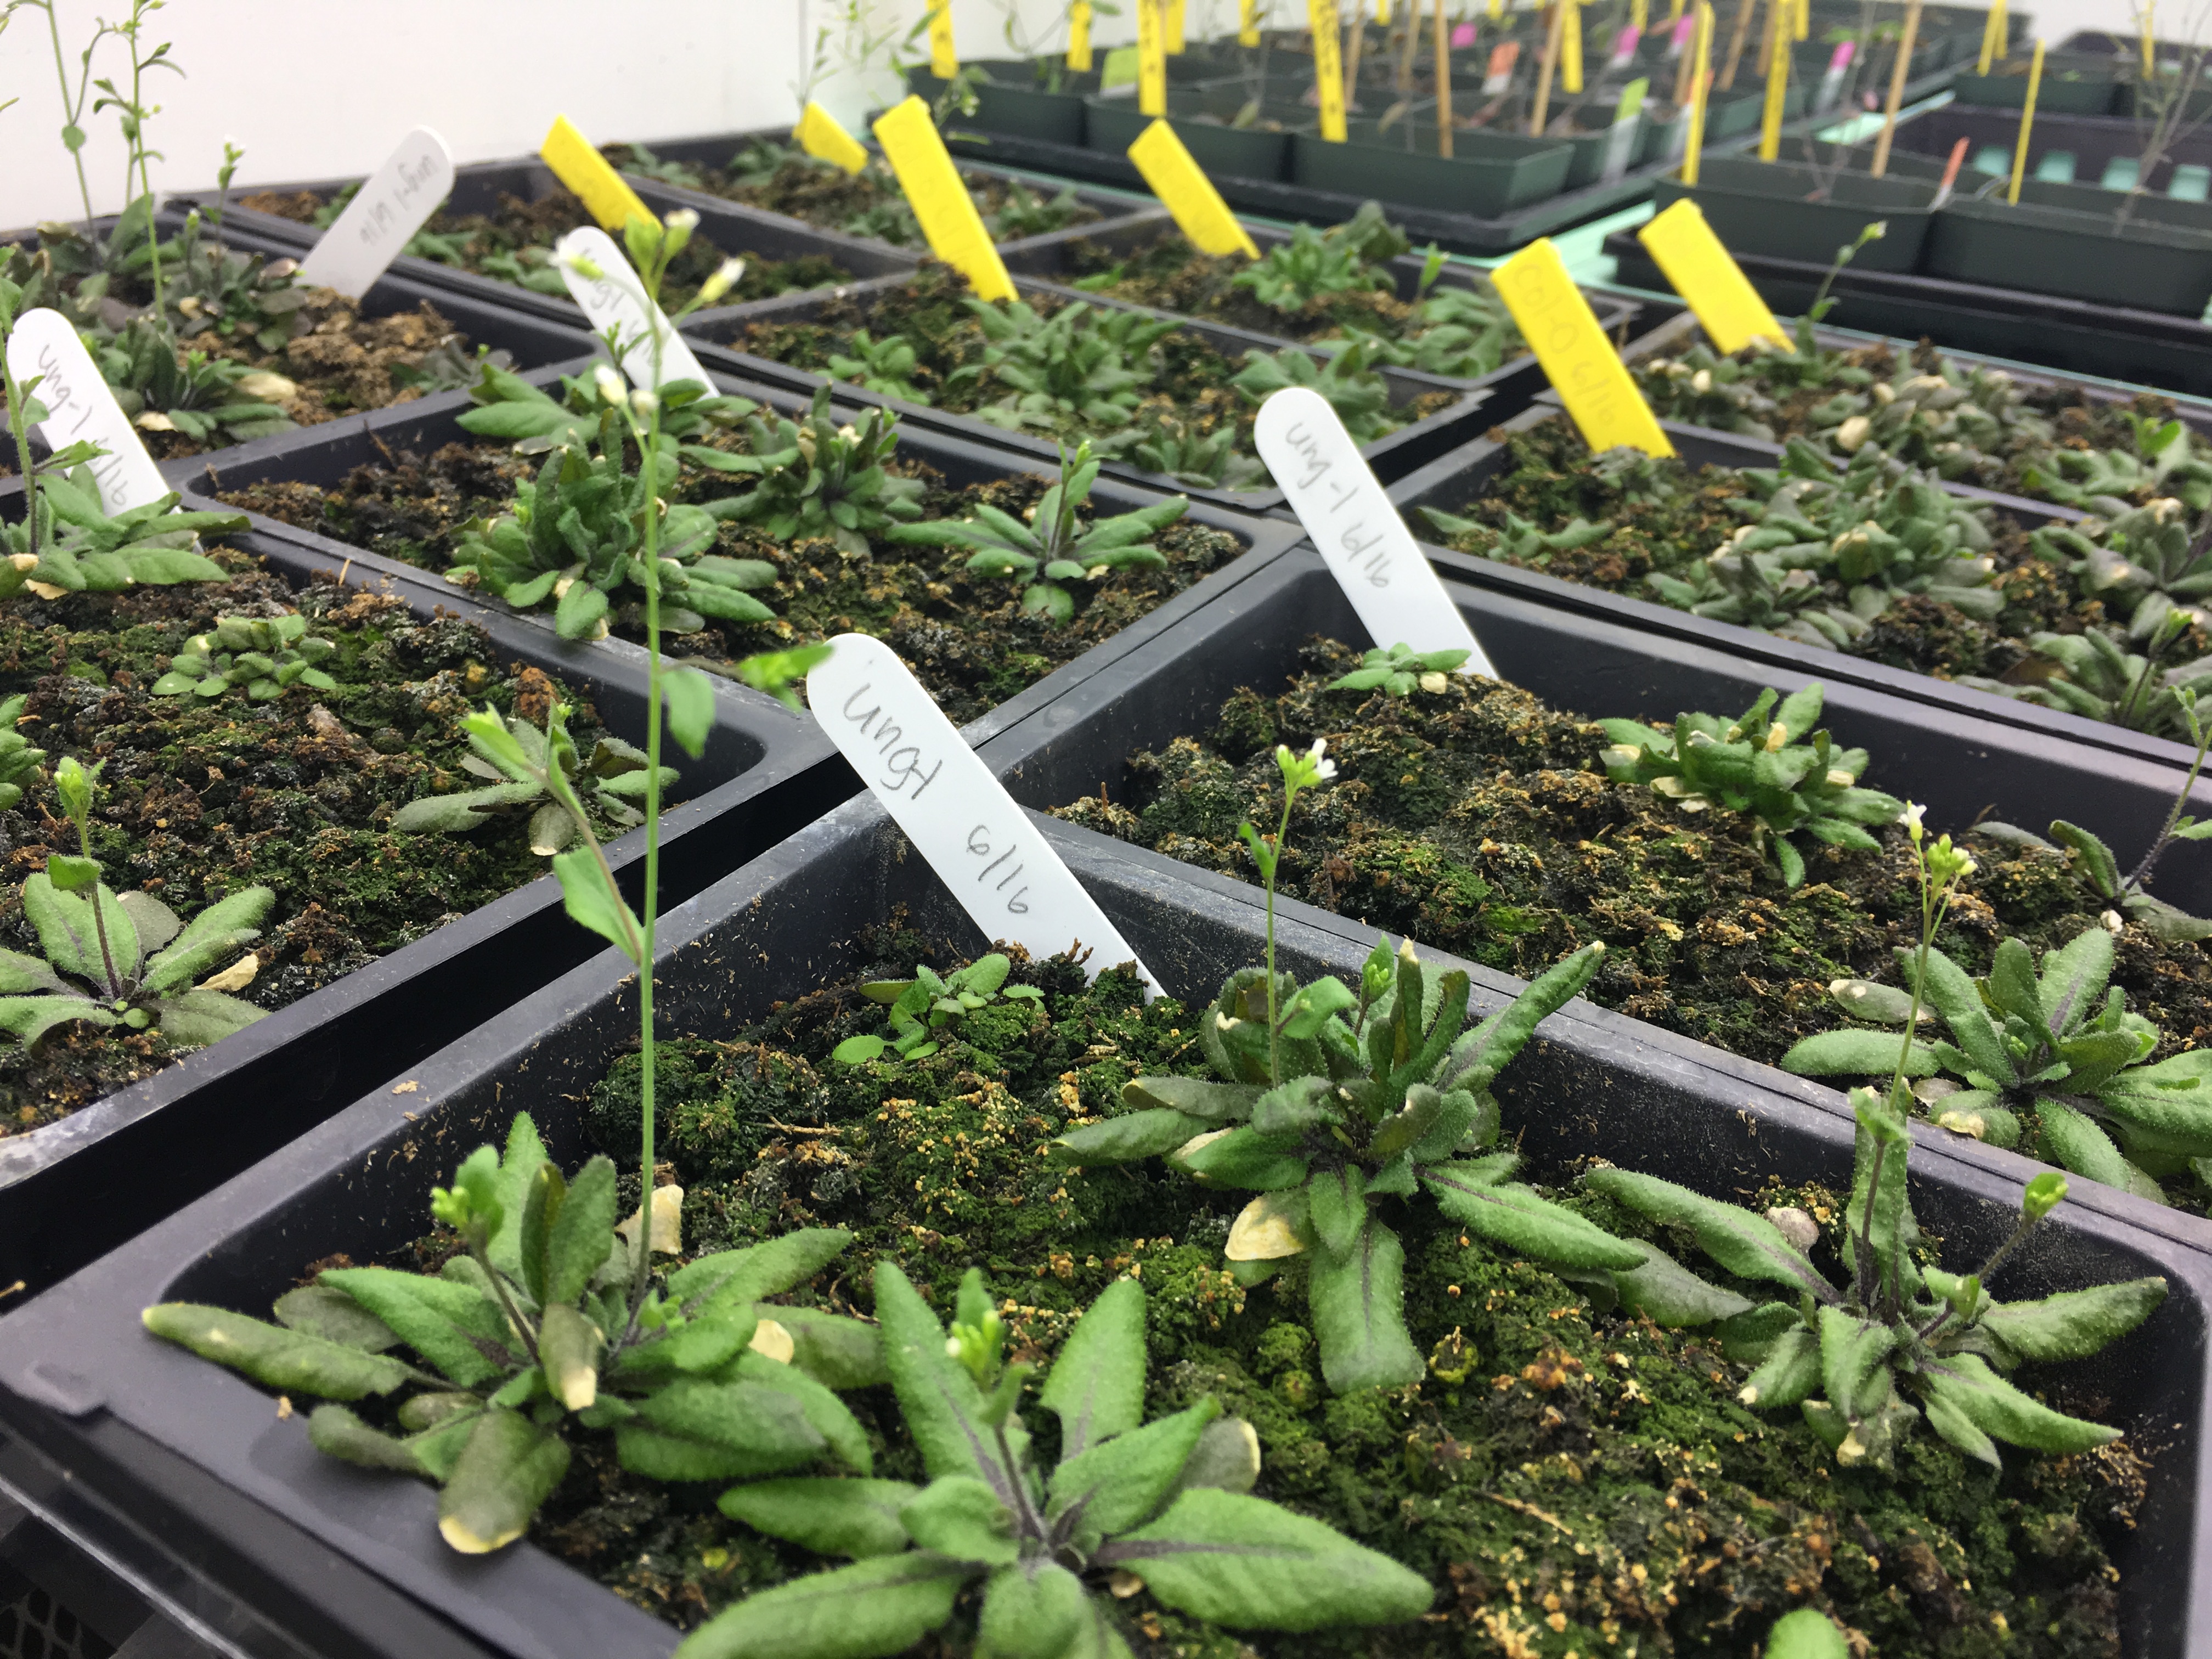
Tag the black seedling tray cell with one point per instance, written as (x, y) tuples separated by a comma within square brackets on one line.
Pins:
[(73, 1189), (2169, 352), (1510, 384), (713, 335), (2091, 140), (733, 229), (187, 1445)]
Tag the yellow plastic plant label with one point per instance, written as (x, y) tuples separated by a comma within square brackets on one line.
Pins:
[(1078, 37), (1564, 333), (1673, 11), (1995, 34), (1570, 48), (1383, 12), (584, 170), (1804, 18), (1329, 68), (939, 200), (1171, 18), (1182, 183), (1701, 87), (1497, 9), (1151, 58), (1639, 14), (821, 137), (943, 61), (1778, 89), (1703, 274), (1247, 22)]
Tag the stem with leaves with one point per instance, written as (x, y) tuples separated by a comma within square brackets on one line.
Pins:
[(1300, 771), (72, 106), (2202, 736)]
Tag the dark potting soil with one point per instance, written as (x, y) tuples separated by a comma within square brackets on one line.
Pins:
[(1190, 389), (515, 245), (1570, 1481), (965, 635), (1549, 482), (1764, 404), (1481, 821), (868, 203), (199, 797)]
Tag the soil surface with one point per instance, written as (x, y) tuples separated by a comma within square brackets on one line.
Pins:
[(1570, 1481), (514, 244), (1549, 482), (200, 796), (867, 204), (965, 635), (1481, 821)]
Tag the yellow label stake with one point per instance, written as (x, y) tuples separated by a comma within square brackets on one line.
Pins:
[(1639, 15), (1329, 68), (1778, 89), (1078, 37), (821, 137), (1151, 58), (1247, 22), (1564, 333), (2026, 121), (1182, 183), (1171, 16), (1703, 273), (1382, 12), (944, 61), (1701, 86), (1995, 34), (584, 170), (1803, 19), (939, 200), (1570, 48)]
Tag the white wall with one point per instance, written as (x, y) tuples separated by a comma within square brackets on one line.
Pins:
[(321, 87)]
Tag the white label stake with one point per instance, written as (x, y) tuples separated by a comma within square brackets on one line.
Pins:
[(982, 846), (615, 299), (1361, 538), (79, 409), (387, 209)]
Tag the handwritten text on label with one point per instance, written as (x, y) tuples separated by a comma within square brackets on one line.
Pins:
[(982, 845), (615, 299), (383, 213), (1358, 533), (79, 409)]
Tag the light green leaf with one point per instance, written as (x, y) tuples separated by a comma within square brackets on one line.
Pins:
[(582, 1233), (691, 707), (859, 1518), (938, 1398), (698, 1429), (1096, 1386), (211, 938), (1669, 1294), (1358, 1304), (1130, 1136), (870, 1610), (1789, 1376), (319, 1310), (1964, 1383), (195, 1019), (1124, 1480), (291, 1361), (1516, 1217), (591, 903), (1856, 1053), (829, 1416), (1336, 1206), (441, 1321), (1217, 1103), (958, 1515), (338, 1433), (1749, 1246), (2074, 1324), (1033, 1610), (1808, 1633)]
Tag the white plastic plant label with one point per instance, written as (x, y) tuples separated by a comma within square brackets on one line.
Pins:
[(387, 209), (1360, 536), (980, 843), (615, 298), (79, 409)]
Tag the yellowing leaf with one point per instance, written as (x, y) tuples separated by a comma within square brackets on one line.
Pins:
[(667, 1222), (772, 1340), (1264, 1231), (236, 977)]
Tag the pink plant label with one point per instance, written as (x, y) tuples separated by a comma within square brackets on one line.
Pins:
[(1463, 35), (1624, 48)]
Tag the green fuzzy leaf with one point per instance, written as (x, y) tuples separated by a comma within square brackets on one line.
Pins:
[(1749, 1246), (1096, 1386), (1336, 1206), (1789, 1373), (836, 1352), (938, 1398), (2073, 978), (591, 903), (210, 939), (1516, 1217), (292, 1361), (960, 1517), (1856, 1053), (829, 1417), (443, 1321), (2072, 1324), (1358, 1304), (1286, 1113), (1852, 1353), (1477, 1058), (859, 1518), (1248, 1565), (870, 1610), (691, 708), (1123, 1481), (1227, 1457), (1953, 996), (507, 1469), (1669, 1294), (1033, 1610), (1964, 1383), (193, 1019), (2079, 1144), (697, 1429), (1808, 1633), (319, 1310), (67, 934), (1216, 1104), (1244, 1158), (1128, 1138), (772, 1268), (28, 1018), (582, 1232), (336, 1432)]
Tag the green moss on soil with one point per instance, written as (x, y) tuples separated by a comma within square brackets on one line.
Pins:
[(965, 636), (1547, 480), (1570, 1482), (199, 797), (514, 244), (1481, 821)]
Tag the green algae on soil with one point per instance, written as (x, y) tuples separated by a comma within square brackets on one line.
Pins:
[(200, 797), (964, 634), (1481, 821), (514, 244), (1548, 481), (1572, 1482)]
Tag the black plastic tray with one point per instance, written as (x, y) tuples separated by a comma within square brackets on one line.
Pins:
[(351, 1560), (2168, 353), (1391, 455), (75, 1188), (477, 189), (1509, 384)]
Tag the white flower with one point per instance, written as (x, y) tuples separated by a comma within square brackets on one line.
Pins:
[(609, 383), (643, 402), (1323, 769), (683, 219), (1910, 817), (724, 279)]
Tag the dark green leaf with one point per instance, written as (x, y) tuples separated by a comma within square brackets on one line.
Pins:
[(1789, 1374), (1358, 1304), (829, 1417), (859, 1518), (336, 1432), (507, 1469), (2074, 1324), (1964, 1384), (1517, 1218), (1749, 1246), (1477, 1058), (1669, 1294), (335, 1316), (1244, 1158), (938, 1398), (291, 1360), (836, 1352), (1125, 1480), (1096, 1386), (1126, 1138), (1216, 1103), (870, 1610), (582, 1233), (697, 1429), (958, 1515), (449, 1324)]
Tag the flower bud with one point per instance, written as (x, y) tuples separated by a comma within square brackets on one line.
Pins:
[(1852, 434), (610, 383), (726, 277), (643, 402), (2044, 1195)]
